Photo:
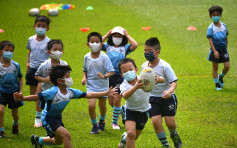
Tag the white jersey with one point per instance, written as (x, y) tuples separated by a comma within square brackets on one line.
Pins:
[(44, 71), (162, 69), (138, 101)]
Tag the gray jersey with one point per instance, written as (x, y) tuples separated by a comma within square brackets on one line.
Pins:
[(162, 69)]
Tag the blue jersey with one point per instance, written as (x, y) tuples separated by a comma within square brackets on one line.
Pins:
[(56, 102), (218, 35), (9, 76), (116, 54)]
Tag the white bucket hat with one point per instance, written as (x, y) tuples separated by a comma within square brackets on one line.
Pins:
[(118, 29)]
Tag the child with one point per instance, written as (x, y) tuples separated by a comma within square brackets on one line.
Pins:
[(117, 49), (217, 34), (137, 103), (37, 46), (10, 81), (162, 98), (57, 99), (97, 68)]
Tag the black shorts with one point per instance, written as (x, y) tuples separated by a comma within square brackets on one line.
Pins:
[(7, 98), (164, 107), (51, 127), (224, 56), (115, 80), (30, 77), (139, 117)]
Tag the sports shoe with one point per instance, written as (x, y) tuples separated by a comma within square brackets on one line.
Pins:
[(34, 141), (122, 143), (221, 81), (2, 134), (95, 129), (177, 141), (102, 125), (115, 126), (38, 122), (15, 129), (218, 86)]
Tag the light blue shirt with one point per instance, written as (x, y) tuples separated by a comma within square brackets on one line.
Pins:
[(38, 52), (116, 54), (92, 66)]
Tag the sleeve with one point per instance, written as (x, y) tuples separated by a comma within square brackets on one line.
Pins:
[(169, 74), (28, 44), (84, 65), (105, 46), (210, 32), (226, 29), (127, 49), (108, 65), (77, 93), (47, 94), (19, 74), (122, 88), (40, 70)]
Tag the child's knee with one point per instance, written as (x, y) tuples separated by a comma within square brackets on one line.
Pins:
[(131, 134), (67, 136), (2, 111)]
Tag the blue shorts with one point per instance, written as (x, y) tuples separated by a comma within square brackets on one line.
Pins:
[(224, 56), (164, 107), (30, 77), (51, 127), (7, 98)]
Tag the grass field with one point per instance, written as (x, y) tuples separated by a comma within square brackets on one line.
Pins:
[(205, 117)]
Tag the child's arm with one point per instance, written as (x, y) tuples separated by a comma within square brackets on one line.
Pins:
[(159, 79), (129, 92), (109, 92), (131, 40), (216, 54), (168, 93), (42, 79), (28, 61), (83, 81), (109, 74), (106, 36), (21, 85), (20, 97)]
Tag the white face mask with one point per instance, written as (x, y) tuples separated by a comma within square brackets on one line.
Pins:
[(68, 82), (117, 41), (56, 55), (94, 46)]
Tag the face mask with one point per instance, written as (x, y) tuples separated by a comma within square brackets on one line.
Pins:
[(7, 55), (68, 82), (94, 46), (40, 31), (216, 19), (150, 56), (56, 55), (117, 41), (130, 75)]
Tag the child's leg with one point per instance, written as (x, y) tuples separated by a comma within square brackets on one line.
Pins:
[(215, 75), (2, 111), (226, 68), (92, 113), (15, 124), (103, 109), (33, 89), (116, 110), (131, 133), (38, 115)]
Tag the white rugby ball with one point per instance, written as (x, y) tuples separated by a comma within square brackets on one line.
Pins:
[(148, 78), (52, 12), (34, 12)]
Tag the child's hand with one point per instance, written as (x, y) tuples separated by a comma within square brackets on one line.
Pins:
[(139, 84), (83, 81), (125, 32), (101, 75), (18, 96), (112, 92), (216, 54), (28, 66), (159, 79), (166, 94)]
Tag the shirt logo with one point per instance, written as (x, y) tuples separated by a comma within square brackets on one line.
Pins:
[(226, 55), (171, 107)]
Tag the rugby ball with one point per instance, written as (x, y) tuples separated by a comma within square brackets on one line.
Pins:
[(34, 12), (147, 77), (52, 12)]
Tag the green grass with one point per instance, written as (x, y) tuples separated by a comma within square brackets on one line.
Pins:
[(205, 117)]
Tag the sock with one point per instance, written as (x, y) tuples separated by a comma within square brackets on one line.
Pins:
[(40, 141), (15, 123), (1, 129), (94, 121), (116, 113), (162, 138), (173, 132), (216, 80), (102, 118), (38, 114), (222, 75)]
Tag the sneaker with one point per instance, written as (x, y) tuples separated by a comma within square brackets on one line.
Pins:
[(2, 134), (38, 122), (15, 129), (122, 143), (218, 86), (34, 141), (102, 125), (115, 126), (95, 129), (221, 81), (177, 141)]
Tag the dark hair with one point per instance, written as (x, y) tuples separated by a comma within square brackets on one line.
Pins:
[(52, 42), (111, 43), (57, 72), (94, 34), (42, 18), (153, 42), (215, 8), (6, 43), (124, 61)]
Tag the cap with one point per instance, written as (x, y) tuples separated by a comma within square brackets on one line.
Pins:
[(118, 29)]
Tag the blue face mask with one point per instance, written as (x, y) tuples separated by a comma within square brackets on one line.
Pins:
[(216, 19), (7, 55), (130, 75), (150, 56), (40, 31)]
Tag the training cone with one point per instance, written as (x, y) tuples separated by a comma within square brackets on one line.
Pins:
[(1, 31), (146, 28), (84, 29), (191, 28), (89, 8)]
